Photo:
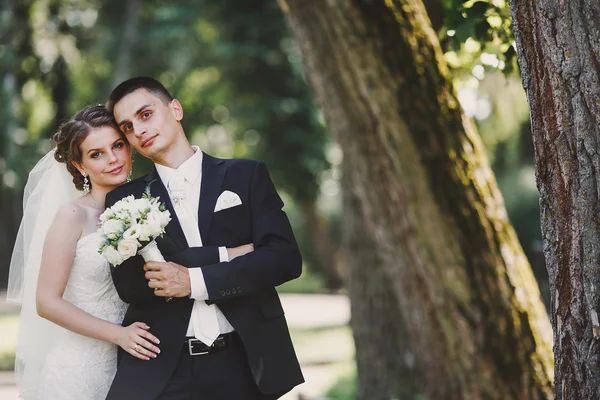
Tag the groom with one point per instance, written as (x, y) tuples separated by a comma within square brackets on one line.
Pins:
[(223, 335)]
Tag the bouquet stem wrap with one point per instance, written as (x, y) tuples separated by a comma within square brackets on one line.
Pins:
[(151, 252)]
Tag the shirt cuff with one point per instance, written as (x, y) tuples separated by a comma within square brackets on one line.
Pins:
[(198, 286), (223, 254)]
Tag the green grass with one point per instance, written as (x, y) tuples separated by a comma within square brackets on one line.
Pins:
[(344, 389), (9, 325)]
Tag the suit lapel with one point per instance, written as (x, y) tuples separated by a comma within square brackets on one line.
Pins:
[(157, 189), (213, 173)]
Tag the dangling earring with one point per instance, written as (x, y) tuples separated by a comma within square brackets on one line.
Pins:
[(86, 183), (129, 176)]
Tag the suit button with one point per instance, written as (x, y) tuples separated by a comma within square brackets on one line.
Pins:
[(233, 291), (228, 292), (239, 290), (222, 293)]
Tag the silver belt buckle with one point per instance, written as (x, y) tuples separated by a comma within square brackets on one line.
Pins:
[(191, 345)]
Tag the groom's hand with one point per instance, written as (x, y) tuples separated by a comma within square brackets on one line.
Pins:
[(168, 279)]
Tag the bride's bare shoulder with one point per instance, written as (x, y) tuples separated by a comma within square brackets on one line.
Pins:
[(67, 225), (72, 212)]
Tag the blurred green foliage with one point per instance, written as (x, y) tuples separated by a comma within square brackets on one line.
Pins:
[(237, 75), (239, 78)]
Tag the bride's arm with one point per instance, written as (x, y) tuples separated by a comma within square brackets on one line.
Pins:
[(57, 259)]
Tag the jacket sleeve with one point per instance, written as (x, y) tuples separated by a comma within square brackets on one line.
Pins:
[(276, 258)]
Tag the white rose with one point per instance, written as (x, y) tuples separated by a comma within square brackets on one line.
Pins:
[(112, 255), (123, 214), (144, 231), (153, 223), (112, 226), (165, 217), (135, 214), (127, 248), (142, 203), (113, 236), (155, 205), (131, 233), (106, 214), (118, 206)]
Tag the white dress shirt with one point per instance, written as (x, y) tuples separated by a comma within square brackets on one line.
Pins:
[(187, 213)]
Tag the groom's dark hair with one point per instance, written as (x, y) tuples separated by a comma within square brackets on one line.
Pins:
[(133, 84)]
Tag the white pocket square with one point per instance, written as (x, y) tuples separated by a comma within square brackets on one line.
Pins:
[(227, 199)]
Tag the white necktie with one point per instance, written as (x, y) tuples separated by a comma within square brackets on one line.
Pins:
[(204, 317)]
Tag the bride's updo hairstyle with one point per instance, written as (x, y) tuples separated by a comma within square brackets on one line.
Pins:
[(72, 133)]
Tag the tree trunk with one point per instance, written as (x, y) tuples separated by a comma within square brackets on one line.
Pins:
[(57, 79), (60, 85), (435, 12), (325, 250), (558, 48), (385, 357), (441, 254), (129, 37)]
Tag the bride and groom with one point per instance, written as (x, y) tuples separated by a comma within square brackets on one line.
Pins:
[(221, 335)]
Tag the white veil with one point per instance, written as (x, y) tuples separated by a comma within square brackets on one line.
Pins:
[(48, 187)]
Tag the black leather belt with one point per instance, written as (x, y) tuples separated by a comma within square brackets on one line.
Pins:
[(198, 348)]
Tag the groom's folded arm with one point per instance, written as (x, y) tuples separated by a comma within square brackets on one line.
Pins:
[(276, 258), (132, 285), (197, 284), (204, 255)]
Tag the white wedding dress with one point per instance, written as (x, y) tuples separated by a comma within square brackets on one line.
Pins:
[(77, 367), (52, 363)]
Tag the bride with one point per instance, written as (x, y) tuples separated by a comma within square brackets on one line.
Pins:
[(57, 274)]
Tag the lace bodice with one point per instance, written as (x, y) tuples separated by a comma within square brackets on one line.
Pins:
[(78, 367), (90, 285)]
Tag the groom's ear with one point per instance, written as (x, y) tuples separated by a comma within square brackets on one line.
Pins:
[(176, 109)]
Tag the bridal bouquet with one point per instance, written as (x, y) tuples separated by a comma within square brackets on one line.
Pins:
[(130, 227)]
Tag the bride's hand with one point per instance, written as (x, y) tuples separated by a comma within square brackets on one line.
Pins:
[(137, 341)]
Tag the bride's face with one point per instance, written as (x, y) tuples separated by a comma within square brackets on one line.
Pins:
[(105, 157)]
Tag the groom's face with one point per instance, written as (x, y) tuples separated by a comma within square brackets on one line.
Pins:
[(150, 125)]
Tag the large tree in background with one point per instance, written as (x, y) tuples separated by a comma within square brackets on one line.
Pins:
[(558, 47), (438, 281)]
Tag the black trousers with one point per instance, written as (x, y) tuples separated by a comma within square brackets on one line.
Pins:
[(222, 375)]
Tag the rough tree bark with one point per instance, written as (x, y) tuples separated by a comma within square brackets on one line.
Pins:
[(558, 44), (439, 284)]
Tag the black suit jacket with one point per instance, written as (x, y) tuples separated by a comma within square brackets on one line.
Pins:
[(244, 289)]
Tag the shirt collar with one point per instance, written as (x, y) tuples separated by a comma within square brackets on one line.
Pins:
[(190, 169)]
